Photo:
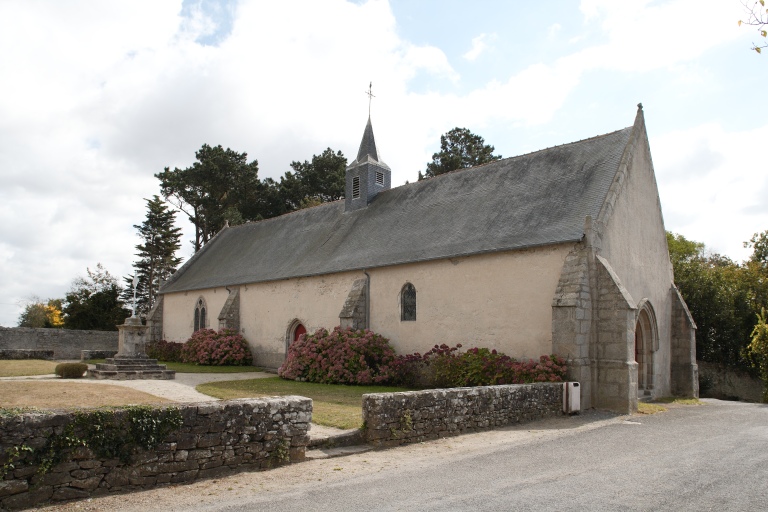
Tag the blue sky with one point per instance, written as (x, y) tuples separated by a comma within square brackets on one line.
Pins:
[(96, 97)]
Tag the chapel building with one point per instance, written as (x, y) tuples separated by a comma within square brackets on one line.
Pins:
[(558, 251)]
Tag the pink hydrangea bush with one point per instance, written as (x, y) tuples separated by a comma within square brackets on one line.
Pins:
[(341, 356), (444, 367), (223, 348)]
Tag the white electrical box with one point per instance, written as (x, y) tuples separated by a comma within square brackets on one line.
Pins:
[(571, 397)]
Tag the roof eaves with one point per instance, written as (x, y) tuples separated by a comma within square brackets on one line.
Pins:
[(407, 261)]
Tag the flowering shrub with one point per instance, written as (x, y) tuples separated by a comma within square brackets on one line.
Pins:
[(164, 351), (339, 357), (445, 366), (223, 348)]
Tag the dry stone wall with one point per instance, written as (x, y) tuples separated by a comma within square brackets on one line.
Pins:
[(214, 439), (65, 343), (393, 419)]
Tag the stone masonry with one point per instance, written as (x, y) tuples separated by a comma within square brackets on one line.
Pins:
[(229, 317), (215, 439), (131, 361), (685, 372), (393, 419), (353, 313), (65, 343)]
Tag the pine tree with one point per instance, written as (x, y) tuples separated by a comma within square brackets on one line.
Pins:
[(459, 149), (157, 254)]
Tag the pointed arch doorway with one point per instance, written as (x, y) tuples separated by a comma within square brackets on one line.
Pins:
[(298, 331), (646, 345), (295, 330)]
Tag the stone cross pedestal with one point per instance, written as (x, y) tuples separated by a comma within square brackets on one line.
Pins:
[(131, 339), (131, 362)]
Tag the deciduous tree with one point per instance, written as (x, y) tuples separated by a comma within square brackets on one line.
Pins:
[(93, 302), (718, 295), (757, 16), (39, 314)]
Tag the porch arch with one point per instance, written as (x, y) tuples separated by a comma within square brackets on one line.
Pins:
[(646, 346)]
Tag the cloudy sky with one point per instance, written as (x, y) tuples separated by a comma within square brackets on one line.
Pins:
[(96, 97)]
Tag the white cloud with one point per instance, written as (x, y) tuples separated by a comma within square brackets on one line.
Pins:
[(711, 187), (554, 30), (106, 94), (97, 97), (644, 35), (480, 44)]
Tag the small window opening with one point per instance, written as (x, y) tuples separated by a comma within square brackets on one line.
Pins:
[(408, 303), (380, 178), (355, 187), (199, 315)]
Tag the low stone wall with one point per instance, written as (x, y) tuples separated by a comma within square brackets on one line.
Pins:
[(215, 439), (24, 353), (392, 419), (717, 381), (65, 343)]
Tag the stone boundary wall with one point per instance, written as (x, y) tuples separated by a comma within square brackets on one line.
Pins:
[(719, 381), (24, 353), (392, 419), (215, 439), (65, 343)]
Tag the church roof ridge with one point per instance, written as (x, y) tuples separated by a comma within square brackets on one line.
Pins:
[(521, 155), (531, 200)]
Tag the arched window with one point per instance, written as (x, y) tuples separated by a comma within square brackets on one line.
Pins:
[(200, 314), (408, 303)]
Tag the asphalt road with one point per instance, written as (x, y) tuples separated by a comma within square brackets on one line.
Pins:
[(712, 457)]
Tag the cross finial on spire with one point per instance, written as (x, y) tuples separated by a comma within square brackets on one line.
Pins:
[(370, 97)]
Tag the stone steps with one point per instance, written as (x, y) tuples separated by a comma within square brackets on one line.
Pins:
[(336, 445), (131, 368), (132, 374)]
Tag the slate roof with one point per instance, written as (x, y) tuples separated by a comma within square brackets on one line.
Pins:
[(368, 151), (531, 200)]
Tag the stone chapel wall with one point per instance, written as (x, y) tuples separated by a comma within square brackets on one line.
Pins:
[(500, 301), (634, 242)]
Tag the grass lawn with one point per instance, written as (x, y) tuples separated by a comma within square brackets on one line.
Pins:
[(333, 405), (646, 408), (61, 394), (680, 401), (194, 368), (24, 367)]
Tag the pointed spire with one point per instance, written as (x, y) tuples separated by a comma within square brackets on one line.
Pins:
[(367, 175), (368, 144)]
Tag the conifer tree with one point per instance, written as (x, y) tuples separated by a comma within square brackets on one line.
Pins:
[(157, 254), (459, 149)]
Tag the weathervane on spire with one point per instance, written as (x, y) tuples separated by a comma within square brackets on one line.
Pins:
[(370, 97)]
